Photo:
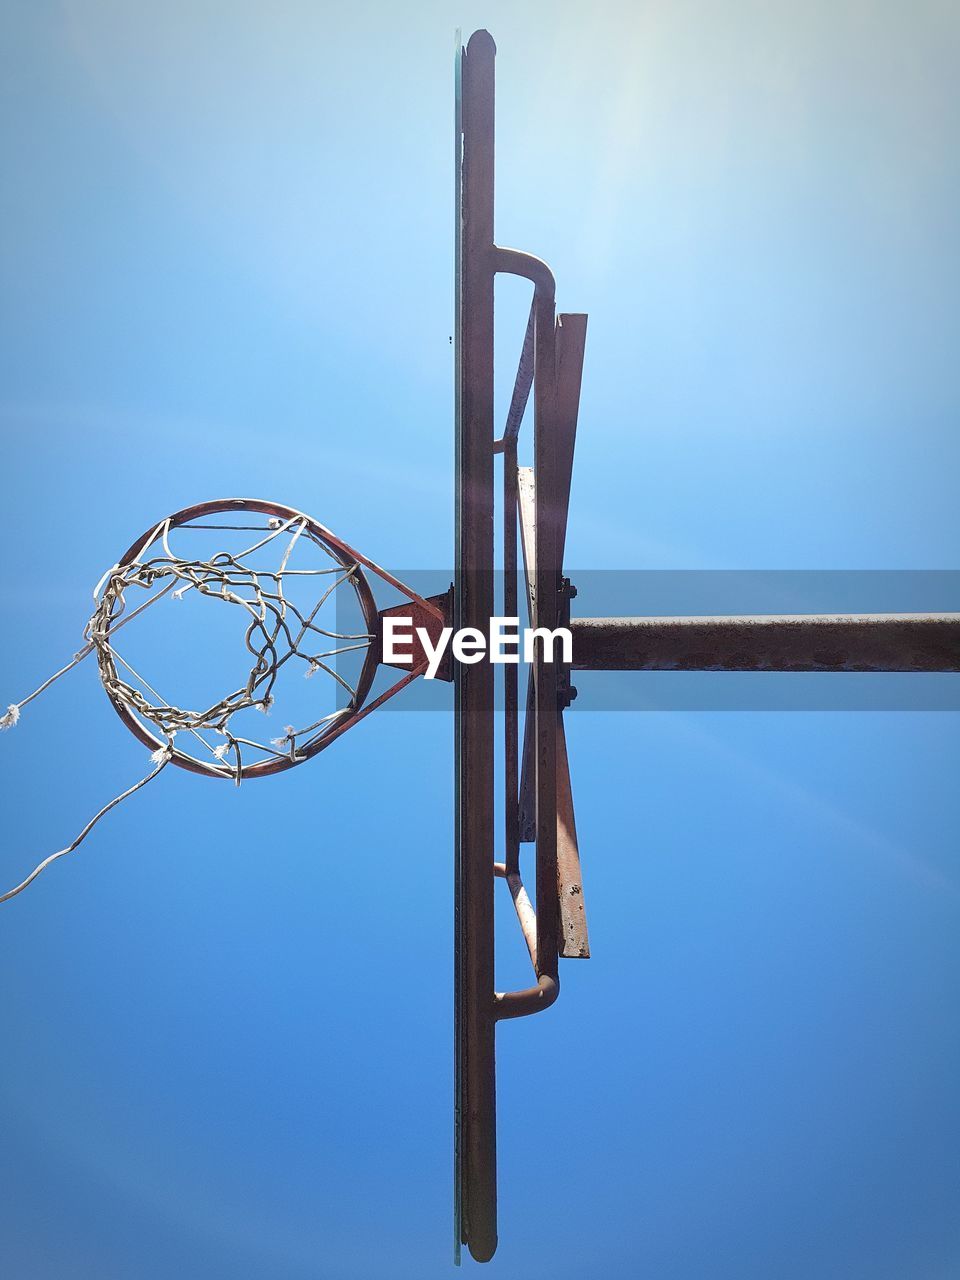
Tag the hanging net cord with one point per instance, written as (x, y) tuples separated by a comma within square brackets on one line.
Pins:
[(161, 760), (278, 631)]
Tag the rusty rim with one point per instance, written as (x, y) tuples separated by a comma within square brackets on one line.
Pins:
[(342, 553)]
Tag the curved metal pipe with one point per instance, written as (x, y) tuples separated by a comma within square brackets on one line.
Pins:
[(515, 262), (518, 1004)]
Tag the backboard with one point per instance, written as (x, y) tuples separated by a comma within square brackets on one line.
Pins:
[(533, 501)]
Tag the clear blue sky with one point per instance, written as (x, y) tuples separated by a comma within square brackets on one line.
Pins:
[(226, 268)]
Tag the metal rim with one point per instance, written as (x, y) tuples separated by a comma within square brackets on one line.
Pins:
[(341, 551)]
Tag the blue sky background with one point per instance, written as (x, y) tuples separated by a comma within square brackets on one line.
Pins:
[(226, 268)]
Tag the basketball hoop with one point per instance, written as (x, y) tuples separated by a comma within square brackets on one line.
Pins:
[(278, 631), (290, 583)]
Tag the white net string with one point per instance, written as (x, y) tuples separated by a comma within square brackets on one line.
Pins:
[(278, 631)]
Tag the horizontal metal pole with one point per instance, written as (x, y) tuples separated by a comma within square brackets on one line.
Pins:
[(799, 642)]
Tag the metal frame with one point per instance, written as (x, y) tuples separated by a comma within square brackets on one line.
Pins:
[(538, 794), (475, 1141), (550, 364)]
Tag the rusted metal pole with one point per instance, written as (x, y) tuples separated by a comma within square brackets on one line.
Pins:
[(800, 642), (474, 604)]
